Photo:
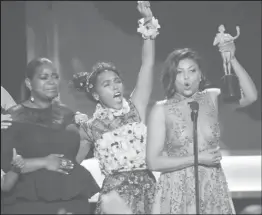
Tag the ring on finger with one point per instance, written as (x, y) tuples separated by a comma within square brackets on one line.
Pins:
[(63, 163)]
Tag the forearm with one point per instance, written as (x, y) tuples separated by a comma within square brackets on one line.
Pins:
[(8, 181), (80, 157), (148, 53), (169, 164), (83, 151), (33, 164), (245, 81)]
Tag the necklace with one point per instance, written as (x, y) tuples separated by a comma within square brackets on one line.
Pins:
[(110, 113)]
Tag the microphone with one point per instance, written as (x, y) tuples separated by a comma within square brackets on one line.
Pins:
[(194, 107)]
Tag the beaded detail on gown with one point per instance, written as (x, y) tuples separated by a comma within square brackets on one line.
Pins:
[(176, 190)]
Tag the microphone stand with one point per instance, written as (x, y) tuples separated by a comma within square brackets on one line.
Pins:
[(194, 116)]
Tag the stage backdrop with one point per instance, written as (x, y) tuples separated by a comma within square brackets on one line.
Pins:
[(78, 34)]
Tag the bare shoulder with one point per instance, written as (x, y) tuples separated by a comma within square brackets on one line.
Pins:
[(214, 92)]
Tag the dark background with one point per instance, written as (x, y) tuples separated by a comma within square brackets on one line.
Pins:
[(75, 35)]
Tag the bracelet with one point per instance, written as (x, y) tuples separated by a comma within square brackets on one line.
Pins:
[(149, 29)]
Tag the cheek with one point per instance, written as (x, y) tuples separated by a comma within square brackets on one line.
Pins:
[(179, 79), (104, 92), (38, 85), (121, 87)]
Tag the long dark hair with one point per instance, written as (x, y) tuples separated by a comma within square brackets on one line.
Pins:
[(169, 71)]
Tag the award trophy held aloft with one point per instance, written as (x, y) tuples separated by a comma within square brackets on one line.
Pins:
[(230, 88)]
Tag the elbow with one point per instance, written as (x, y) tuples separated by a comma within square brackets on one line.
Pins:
[(253, 97), (151, 164)]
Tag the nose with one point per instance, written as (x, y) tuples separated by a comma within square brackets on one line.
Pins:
[(115, 86), (52, 81), (186, 75)]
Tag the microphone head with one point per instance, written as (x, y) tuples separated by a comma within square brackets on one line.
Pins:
[(194, 105)]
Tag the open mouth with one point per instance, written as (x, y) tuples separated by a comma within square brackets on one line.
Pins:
[(187, 85), (117, 95)]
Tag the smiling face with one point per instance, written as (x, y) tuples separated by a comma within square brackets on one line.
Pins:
[(109, 89), (44, 83), (188, 77)]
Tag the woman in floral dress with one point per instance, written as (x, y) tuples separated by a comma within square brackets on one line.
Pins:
[(117, 131), (170, 129)]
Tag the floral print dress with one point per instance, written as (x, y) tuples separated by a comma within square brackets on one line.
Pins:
[(176, 190), (119, 141)]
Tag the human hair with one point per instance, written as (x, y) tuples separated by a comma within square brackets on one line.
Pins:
[(31, 69), (169, 71), (87, 81), (34, 64)]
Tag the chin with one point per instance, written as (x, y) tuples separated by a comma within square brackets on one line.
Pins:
[(118, 106), (188, 93)]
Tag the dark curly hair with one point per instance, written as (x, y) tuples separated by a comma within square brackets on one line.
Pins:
[(169, 71), (87, 81)]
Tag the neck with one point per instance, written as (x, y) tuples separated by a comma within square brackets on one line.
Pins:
[(38, 103), (180, 95), (106, 107)]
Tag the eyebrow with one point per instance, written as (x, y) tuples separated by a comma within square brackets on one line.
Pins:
[(105, 81), (192, 66)]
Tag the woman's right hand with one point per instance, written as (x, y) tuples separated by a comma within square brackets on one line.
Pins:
[(6, 121), (210, 157), (56, 162)]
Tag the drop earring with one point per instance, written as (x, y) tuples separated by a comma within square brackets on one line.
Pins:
[(32, 99)]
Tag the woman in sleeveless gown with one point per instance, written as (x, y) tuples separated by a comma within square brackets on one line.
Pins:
[(44, 134), (170, 148), (117, 131)]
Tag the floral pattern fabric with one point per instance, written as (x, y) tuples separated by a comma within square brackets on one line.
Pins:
[(176, 190), (119, 141)]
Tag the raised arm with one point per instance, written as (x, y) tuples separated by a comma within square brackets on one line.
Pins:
[(141, 94), (238, 33), (248, 87)]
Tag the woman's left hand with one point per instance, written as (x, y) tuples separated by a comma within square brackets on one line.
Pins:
[(228, 47), (144, 9)]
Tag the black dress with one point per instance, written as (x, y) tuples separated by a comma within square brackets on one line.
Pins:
[(39, 133)]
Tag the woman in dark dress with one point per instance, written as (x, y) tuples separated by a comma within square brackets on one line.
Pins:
[(44, 134)]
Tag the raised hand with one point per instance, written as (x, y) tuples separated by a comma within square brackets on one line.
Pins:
[(144, 9), (210, 157)]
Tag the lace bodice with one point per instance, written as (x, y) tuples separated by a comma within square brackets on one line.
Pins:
[(119, 142), (179, 126)]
